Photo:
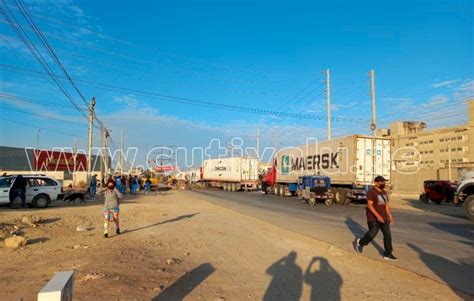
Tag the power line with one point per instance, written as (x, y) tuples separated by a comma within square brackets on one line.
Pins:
[(189, 101), (36, 101), (41, 128), (19, 30), (42, 116)]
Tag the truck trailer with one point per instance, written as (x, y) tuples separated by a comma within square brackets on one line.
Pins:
[(348, 161), (231, 174)]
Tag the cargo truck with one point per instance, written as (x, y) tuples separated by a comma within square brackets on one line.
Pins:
[(230, 174), (347, 161)]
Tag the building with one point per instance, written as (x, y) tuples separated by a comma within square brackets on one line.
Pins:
[(61, 165), (419, 154)]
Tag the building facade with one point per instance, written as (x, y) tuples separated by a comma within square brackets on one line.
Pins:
[(419, 154)]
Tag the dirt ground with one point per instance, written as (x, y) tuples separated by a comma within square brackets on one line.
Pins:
[(176, 247)]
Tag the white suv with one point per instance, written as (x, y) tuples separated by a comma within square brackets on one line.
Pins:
[(40, 190)]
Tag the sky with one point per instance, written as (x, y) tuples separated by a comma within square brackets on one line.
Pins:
[(185, 72)]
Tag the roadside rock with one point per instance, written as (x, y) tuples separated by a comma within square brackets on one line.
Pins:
[(81, 228), (14, 242), (173, 260), (30, 220), (158, 288)]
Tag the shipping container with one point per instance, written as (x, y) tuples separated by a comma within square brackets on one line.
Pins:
[(348, 161), (235, 173)]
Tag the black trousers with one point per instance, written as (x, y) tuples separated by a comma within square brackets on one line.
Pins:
[(374, 228)]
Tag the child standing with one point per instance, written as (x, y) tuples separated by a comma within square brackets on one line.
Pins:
[(111, 208)]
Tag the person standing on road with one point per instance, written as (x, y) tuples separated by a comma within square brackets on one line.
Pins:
[(123, 184), (18, 189), (379, 217), (93, 186), (147, 185), (111, 208)]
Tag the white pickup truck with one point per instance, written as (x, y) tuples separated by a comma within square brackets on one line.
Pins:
[(465, 194)]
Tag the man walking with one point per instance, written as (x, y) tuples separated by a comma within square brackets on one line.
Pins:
[(379, 217)]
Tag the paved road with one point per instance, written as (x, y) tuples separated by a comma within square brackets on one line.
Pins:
[(436, 242)]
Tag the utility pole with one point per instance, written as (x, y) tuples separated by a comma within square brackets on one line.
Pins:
[(258, 142), (74, 156), (101, 162), (106, 149), (328, 95), (373, 125), (122, 157), (37, 138), (91, 126)]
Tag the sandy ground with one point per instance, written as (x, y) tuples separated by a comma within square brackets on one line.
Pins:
[(218, 254)]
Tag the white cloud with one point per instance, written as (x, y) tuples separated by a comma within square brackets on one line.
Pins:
[(436, 100), (446, 83)]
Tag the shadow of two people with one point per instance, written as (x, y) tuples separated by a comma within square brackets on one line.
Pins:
[(287, 281)]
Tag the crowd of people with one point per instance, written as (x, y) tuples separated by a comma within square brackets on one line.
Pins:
[(123, 183)]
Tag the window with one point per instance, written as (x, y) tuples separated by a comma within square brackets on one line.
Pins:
[(5, 183), (459, 149), (431, 141), (46, 182), (459, 137), (441, 140)]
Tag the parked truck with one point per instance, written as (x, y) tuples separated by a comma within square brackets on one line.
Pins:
[(231, 174), (347, 161)]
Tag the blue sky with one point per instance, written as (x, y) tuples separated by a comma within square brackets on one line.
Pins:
[(259, 54)]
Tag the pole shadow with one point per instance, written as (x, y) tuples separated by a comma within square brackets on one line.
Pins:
[(325, 281), (359, 231), (186, 283), (181, 217), (287, 281), (457, 275)]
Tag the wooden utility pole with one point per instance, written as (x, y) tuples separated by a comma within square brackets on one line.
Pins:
[(91, 126), (373, 125), (328, 95)]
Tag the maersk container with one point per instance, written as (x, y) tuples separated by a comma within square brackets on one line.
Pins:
[(348, 161), (232, 174)]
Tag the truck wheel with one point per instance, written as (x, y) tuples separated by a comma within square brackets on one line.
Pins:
[(469, 207), (282, 190), (328, 202), (312, 201), (339, 196), (348, 199), (299, 194)]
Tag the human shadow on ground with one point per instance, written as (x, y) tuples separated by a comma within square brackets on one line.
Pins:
[(464, 231), (186, 283), (287, 281), (325, 281), (359, 231), (457, 275), (181, 217)]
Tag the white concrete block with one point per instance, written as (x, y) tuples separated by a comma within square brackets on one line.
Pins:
[(59, 288)]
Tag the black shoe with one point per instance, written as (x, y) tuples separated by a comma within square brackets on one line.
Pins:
[(390, 257), (117, 231), (106, 235), (358, 246)]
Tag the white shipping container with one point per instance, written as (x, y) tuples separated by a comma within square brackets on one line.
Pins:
[(346, 160), (235, 169)]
